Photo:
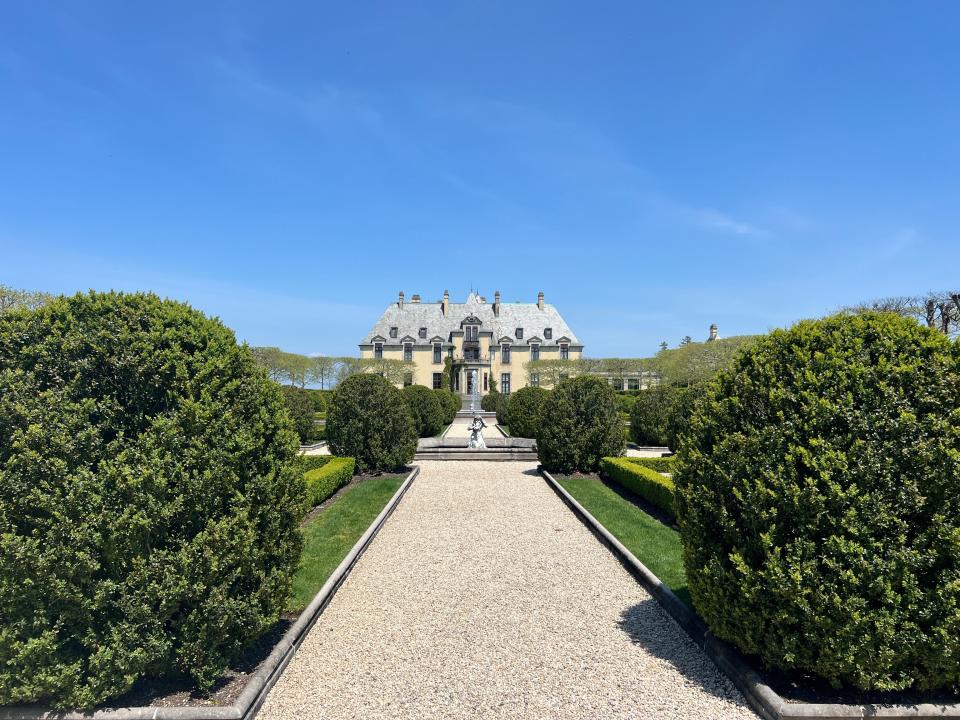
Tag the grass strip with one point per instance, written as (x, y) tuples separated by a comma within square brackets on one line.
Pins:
[(329, 537), (654, 544)]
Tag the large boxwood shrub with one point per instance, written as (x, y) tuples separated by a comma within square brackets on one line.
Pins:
[(149, 498), (580, 425), (818, 495), (650, 414), (525, 410), (449, 403), (368, 419), (490, 401), (300, 408), (425, 409)]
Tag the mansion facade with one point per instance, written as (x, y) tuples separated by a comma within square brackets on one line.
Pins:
[(491, 342)]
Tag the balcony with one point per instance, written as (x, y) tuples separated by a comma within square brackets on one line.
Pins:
[(471, 359)]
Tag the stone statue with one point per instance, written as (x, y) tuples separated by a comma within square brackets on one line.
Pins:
[(476, 433)]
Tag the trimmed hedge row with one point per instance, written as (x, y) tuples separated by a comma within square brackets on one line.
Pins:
[(645, 482), (325, 479), (660, 464)]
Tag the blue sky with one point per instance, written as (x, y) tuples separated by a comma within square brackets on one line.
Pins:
[(653, 167)]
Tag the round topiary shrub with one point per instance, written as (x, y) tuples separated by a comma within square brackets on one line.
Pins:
[(449, 402), (425, 409), (300, 408), (650, 415), (818, 496), (525, 411), (368, 419), (490, 401), (149, 506), (580, 425)]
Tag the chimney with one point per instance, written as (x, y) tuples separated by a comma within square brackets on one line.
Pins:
[(400, 301), (713, 333), (415, 299), (445, 305), (496, 304), (540, 300)]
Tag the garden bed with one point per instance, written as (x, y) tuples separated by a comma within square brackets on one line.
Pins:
[(650, 548)]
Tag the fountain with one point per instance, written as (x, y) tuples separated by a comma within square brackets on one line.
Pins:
[(475, 395)]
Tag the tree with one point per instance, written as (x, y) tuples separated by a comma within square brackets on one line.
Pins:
[(938, 310), (321, 370), (149, 503), (12, 298), (686, 340)]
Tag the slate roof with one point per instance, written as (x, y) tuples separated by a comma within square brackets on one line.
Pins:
[(412, 316)]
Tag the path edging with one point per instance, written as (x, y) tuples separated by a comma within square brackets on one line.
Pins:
[(761, 696), (246, 706)]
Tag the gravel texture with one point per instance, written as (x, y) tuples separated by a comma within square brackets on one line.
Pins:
[(484, 596)]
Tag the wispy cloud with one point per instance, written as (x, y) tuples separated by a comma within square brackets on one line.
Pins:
[(322, 103), (720, 222)]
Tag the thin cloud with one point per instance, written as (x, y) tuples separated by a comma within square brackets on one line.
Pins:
[(713, 220)]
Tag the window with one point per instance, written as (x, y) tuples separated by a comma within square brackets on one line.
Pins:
[(548, 333), (617, 383), (408, 352), (505, 383), (519, 333), (393, 332), (633, 383), (437, 381), (378, 350), (408, 380), (472, 332), (505, 354), (423, 332), (564, 352), (437, 353), (535, 351), (535, 379), (485, 382)]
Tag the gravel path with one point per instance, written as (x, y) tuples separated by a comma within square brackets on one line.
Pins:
[(484, 596)]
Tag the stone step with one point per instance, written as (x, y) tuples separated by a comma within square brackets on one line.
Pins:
[(488, 454)]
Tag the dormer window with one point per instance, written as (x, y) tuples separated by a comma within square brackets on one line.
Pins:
[(471, 332), (505, 354), (408, 352), (535, 351), (519, 334), (548, 333), (423, 333), (378, 350), (564, 351), (393, 332), (437, 353)]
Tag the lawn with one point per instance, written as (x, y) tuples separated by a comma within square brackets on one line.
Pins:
[(329, 537), (654, 544)]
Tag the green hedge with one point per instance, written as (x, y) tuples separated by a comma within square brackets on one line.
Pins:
[(645, 482), (425, 409), (312, 462), (149, 498), (325, 479), (579, 426), (449, 403), (525, 410), (660, 464), (818, 497), (490, 401)]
